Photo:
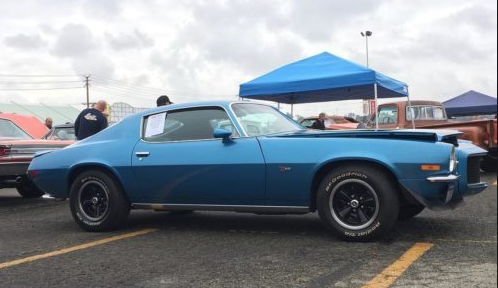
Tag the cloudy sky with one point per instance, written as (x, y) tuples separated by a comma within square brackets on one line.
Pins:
[(135, 50)]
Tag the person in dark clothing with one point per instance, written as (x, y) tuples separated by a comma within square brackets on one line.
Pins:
[(163, 100), (319, 124), (91, 121)]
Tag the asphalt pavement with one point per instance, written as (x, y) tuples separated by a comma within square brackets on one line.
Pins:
[(41, 246)]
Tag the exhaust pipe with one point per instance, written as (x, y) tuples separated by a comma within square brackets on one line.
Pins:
[(18, 179)]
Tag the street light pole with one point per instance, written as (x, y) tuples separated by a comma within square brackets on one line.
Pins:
[(366, 34)]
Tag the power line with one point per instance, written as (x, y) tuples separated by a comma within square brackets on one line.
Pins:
[(42, 82), (34, 89), (128, 84), (121, 94), (41, 76), (160, 90), (125, 90)]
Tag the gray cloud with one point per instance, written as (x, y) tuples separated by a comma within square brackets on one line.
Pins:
[(477, 16), (94, 63), (135, 40), (25, 42), (102, 9), (75, 40), (252, 41), (318, 20)]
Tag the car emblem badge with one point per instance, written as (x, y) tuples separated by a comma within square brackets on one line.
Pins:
[(284, 168)]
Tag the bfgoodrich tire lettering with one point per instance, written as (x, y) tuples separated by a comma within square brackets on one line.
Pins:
[(358, 203), (97, 202)]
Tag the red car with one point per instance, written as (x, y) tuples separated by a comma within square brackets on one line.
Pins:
[(29, 124), (17, 148)]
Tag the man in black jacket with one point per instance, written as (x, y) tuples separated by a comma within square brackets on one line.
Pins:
[(319, 124), (91, 121)]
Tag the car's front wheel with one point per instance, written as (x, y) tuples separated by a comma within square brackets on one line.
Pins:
[(28, 189), (97, 202), (358, 202)]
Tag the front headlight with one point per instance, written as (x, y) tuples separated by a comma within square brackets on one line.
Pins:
[(453, 160)]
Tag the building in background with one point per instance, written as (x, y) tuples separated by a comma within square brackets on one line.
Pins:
[(120, 110)]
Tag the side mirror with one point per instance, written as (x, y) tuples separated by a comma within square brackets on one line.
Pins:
[(222, 133)]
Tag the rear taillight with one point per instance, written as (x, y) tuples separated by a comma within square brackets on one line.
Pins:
[(32, 174), (4, 151)]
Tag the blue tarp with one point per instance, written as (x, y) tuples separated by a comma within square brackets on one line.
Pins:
[(323, 77), (469, 104)]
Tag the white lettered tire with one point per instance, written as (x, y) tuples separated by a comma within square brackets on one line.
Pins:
[(358, 202), (97, 202)]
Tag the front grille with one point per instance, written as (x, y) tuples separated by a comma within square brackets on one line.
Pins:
[(473, 170)]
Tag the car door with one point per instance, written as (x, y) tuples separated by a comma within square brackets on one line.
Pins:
[(178, 161)]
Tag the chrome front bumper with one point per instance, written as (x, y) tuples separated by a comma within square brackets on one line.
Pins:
[(443, 179)]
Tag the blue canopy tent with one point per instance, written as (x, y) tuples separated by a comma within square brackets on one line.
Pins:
[(320, 78), (469, 104)]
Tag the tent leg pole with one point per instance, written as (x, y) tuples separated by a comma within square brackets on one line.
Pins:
[(292, 111), (278, 105), (410, 108), (376, 108)]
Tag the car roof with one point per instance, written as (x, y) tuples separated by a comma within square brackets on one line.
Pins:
[(29, 124), (223, 103)]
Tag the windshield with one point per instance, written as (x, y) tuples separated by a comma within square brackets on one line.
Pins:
[(263, 120), (10, 130), (426, 112)]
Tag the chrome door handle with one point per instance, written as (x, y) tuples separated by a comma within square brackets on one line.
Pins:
[(142, 154)]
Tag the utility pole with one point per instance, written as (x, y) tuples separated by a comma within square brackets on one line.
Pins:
[(87, 85)]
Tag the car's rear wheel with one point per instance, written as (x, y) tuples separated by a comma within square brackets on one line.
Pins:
[(28, 189), (409, 211), (358, 202), (97, 202)]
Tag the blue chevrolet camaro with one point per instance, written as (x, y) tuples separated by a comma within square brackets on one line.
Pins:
[(248, 157)]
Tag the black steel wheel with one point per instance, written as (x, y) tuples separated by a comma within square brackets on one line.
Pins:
[(93, 200), (358, 202), (97, 202), (354, 204)]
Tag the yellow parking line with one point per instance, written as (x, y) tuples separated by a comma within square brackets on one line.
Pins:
[(73, 249), (393, 272)]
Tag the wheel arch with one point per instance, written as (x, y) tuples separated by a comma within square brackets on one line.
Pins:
[(327, 167), (77, 170)]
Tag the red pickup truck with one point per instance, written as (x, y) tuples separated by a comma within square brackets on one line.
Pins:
[(432, 115)]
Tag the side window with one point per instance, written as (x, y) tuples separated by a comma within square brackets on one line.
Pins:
[(388, 115), (188, 124), (307, 123)]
